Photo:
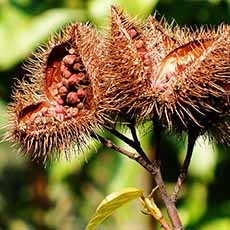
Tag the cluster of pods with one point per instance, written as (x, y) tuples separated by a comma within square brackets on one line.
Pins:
[(84, 80)]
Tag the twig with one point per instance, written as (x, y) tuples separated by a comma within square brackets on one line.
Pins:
[(154, 170), (158, 135), (111, 145), (136, 145), (121, 136), (192, 137), (169, 204), (134, 156)]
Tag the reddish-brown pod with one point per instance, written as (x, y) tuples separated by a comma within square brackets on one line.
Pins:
[(190, 83), (128, 65), (170, 74), (57, 109)]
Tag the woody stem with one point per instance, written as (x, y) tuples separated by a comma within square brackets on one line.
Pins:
[(153, 168), (192, 137)]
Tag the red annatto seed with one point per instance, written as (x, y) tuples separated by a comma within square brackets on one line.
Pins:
[(77, 66), (85, 81), (59, 85), (69, 59), (59, 109), (63, 67), (62, 91), (81, 76), (59, 100), (147, 62), (66, 73), (73, 80), (72, 98), (138, 44), (142, 54), (80, 105), (81, 93), (142, 49), (132, 33), (147, 55), (65, 82)]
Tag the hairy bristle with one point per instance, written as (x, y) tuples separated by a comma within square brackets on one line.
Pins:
[(58, 108), (188, 83), (82, 81), (176, 75), (128, 65)]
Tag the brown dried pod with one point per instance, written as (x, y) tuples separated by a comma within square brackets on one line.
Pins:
[(51, 112), (190, 84), (174, 75), (128, 64)]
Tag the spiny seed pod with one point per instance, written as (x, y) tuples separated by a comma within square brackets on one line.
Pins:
[(127, 66), (176, 76), (58, 107), (190, 86)]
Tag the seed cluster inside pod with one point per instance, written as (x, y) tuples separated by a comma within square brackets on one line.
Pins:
[(130, 65), (139, 43), (68, 82), (56, 110), (68, 89)]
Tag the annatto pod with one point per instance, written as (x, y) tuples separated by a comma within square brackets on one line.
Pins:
[(59, 106), (190, 83), (174, 75), (127, 65)]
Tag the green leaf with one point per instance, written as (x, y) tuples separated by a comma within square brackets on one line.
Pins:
[(111, 203)]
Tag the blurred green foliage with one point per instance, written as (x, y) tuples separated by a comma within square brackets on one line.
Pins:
[(64, 195)]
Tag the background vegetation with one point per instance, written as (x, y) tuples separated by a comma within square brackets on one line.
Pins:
[(64, 195)]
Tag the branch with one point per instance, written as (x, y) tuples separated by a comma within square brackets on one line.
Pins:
[(169, 204), (136, 144), (154, 170), (121, 136), (192, 137), (157, 130), (111, 145), (134, 156)]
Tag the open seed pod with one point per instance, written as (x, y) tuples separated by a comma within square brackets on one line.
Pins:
[(190, 78), (59, 106), (174, 75), (127, 67), (190, 86)]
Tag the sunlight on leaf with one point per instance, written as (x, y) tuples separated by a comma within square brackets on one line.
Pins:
[(111, 203)]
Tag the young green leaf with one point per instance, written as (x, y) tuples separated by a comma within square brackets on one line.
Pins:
[(111, 203)]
